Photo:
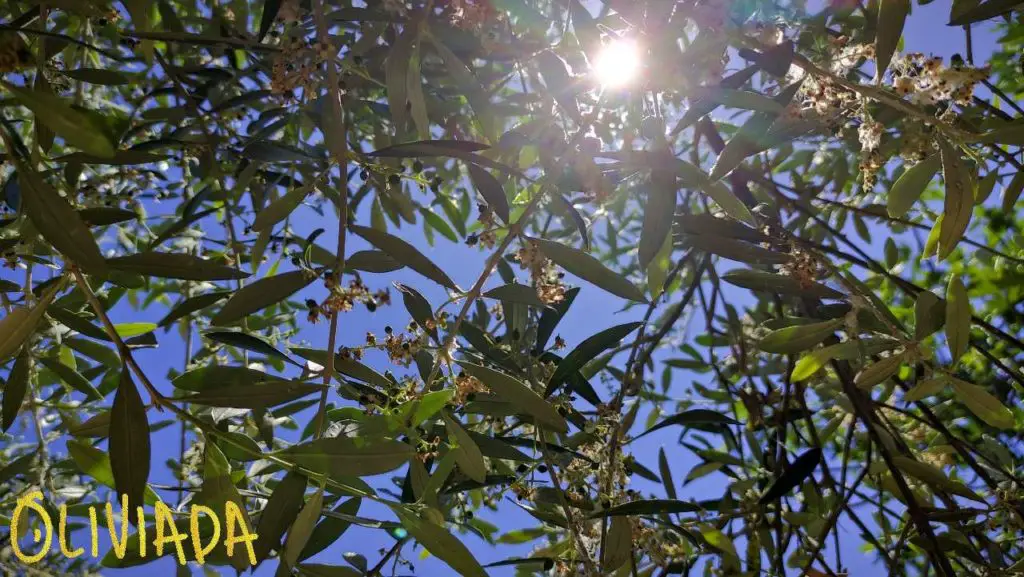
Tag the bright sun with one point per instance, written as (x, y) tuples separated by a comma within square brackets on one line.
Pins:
[(617, 63)]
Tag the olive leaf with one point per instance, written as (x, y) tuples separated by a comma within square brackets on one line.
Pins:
[(300, 532), (129, 441), (799, 470), (798, 338), (79, 129), (912, 183), (405, 253), (516, 393), (174, 265), (589, 269), (467, 453), (261, 294), (958, 318), (342, 457), (757, 280), (892, 14), (586, 351), (19, 324), (16, 387), (984, 406)]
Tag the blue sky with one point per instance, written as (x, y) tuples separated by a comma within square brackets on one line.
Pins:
[(593, 310)]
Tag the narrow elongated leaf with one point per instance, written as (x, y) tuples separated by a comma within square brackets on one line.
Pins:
[(691, 418), (556, 77), (193, 304), (260, 396), (281, 510), (16, 387), (587, 351), (96, 464), (551, 316), (665, 471), (798, 338), (331, 528), (129, 441), (735, 249), (404, 253), (801, 468), (270, 151), (174, 265), (925, 388), (769, 282), (280, 209), (589, 269), (344, 365), (929, 314), (429, 148), (375, 261), (219, 489), (441, 543), (879, 371), (396, 74), (247, 342), (730, 203), (270, 10), (491, 191), (59, 224), (19, 324), (934, 477), (981, 11), (649, 507), (958, 318), (516, 393), (99, 76), (659, 212), (105, 215), (71, 377), (261, 294), (959, 200), (984, 406), (79, 129), (892, 14), (849, 350), (467, 453), (516, 293), (751, 137), (911, 184), (300, 532), (342, 457), (618, 546)]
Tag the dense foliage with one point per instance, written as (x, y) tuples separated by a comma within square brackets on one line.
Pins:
[(817, 230)]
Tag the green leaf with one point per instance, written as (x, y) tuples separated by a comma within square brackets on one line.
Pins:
[(659, 211), (757, 280), (330, 529), (983, 405), (981, 11), (269, 151), (193, 304), (79, 129), (925, 388), (516, 393), (129, 330), (105, 215), (892, 14), (657, 269), (396, 75), (375, 261), (556, 77), (730, 203), (247, 342), (735, 249), (129, 441), (216, 376), (259, 396), (346, 366), (98, 76), (879, 371), (96, 464), (958, 318), (849, 350), (59, 224), (16, 387), (912, 183), (174, 265), (404, 253), (798, 338), (345, 457), (801, 468), (300, 532), (648, 507), (467, 453), (959, 200), (470, 86), (589, 269), (665, 472), (752, 137), (587, 351), (929, 314), (440, 543), (280, 209), (430, 148), (618, 545), (269, 14), (21, 322), (261, 294), (73, 378), (516, 293), (218, 489), (934, 477), (691, 418), (491, 191)]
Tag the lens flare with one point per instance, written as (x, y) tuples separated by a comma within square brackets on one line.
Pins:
[(617, 64)]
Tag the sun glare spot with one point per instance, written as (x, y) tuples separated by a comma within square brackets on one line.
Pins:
[(617, 64)]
